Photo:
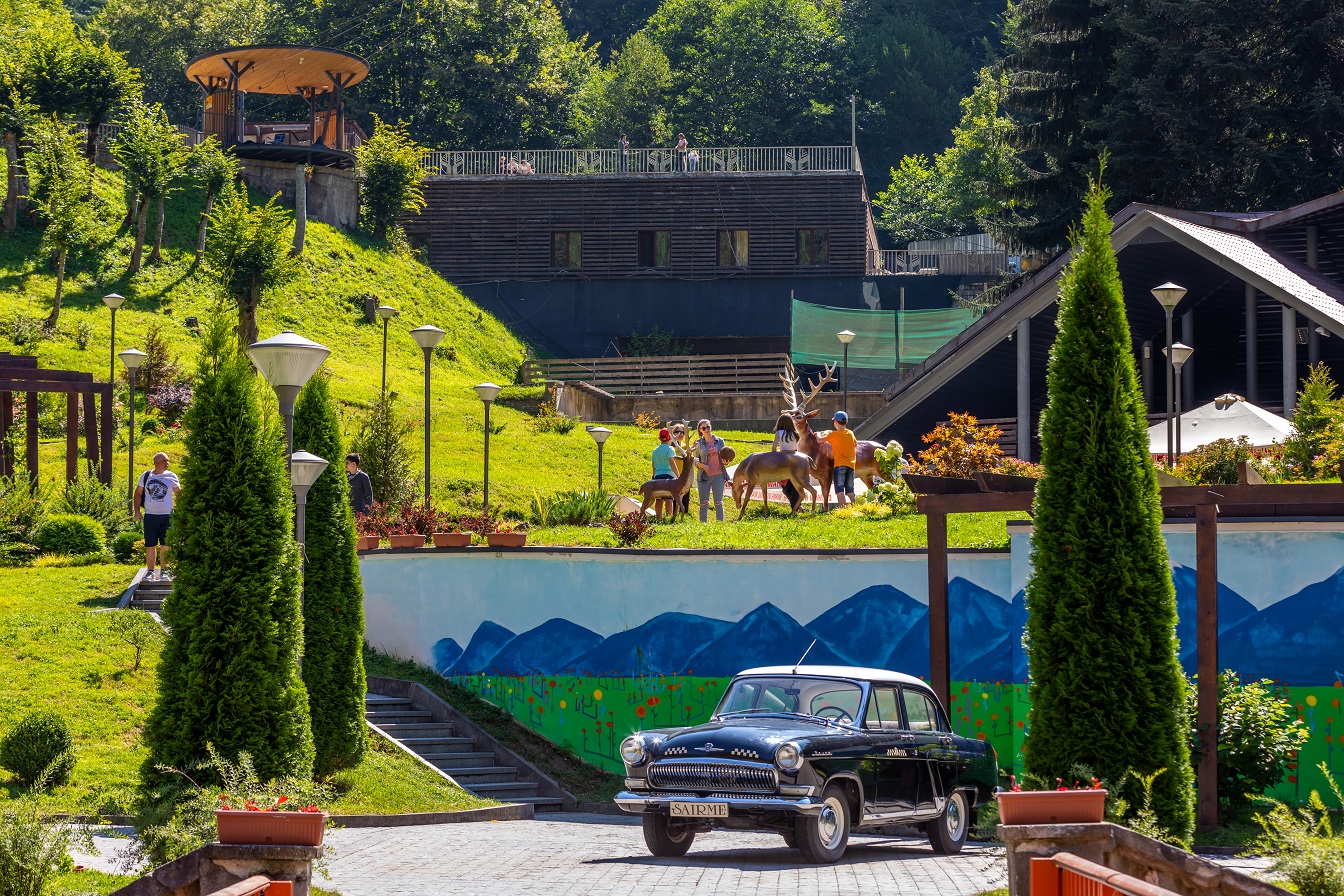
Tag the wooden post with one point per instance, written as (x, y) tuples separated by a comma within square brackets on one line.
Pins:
[(90, 434), (1206, 639), (940, 666), (71, 436), (31, 454), (6, 421), (107, 427)]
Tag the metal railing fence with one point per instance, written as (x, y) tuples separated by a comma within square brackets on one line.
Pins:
[(946, 261), (576, 162)]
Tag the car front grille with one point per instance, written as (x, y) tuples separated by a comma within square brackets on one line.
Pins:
[(737, 777)]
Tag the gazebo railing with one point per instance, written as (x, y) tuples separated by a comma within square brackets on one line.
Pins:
[(579, 162)]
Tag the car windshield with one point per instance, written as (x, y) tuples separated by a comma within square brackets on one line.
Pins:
[(832, 699)]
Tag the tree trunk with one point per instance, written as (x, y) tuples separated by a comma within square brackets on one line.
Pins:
[(11, 181), (91, 140), (156, 255), (60, 284), (132, 208), (205, 223), (141, 220), (300, 207), (247, 312)]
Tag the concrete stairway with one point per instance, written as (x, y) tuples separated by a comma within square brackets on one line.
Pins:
[(149, 595), (474, 766)]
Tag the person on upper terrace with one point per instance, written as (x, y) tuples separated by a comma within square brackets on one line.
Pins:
[(680, 150)]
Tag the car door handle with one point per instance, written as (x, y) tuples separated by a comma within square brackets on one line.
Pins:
[(906, 737), (945, 741)]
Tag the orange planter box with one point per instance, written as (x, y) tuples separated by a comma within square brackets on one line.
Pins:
[(451, 539), (407, 541), (1052, 807), (368, 543), (506, 539), (270, 828)]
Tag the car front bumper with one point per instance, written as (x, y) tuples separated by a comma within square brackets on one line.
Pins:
[(661, 803)]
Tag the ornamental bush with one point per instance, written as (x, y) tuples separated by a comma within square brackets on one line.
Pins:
[(86, 495), (70, 533), (958, 448), (1216, 462), (39, 746)]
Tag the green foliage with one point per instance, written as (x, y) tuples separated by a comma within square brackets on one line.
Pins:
[(39, 749), (572, 508), (106, 87), (32, 849), (1258, 735), (1306, 846), (1215, 463), (153, 157), (87, 496), (549, 419), (16, 553), (890, 460), (629, 529), (388, 167), (229, 672), (382, 444), (137, 629), (1317, 419), (893, 494), (333, 617), (22, 509), (62, 182), (1099, 561), (70, 533), (128, 545), (249, 253), (959, 448), (630, 97), (655, 343)]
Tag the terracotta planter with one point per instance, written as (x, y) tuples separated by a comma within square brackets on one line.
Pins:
[(506, 539), (451, 539), (271, 828), (1052, 807), (408, 541), (368, 543)]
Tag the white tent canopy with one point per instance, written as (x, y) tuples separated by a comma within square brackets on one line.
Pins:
[(1226, 417)]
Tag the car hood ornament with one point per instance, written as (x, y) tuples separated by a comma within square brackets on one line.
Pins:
[(709, 748)]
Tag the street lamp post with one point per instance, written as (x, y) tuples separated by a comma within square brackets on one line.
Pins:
[(304, 468), (600, 435), (1180, 353), (132, 358), (427, 337), (1169, 295), (846, 337), (287, 361), (113, 302), (487, 392), (386, 312)]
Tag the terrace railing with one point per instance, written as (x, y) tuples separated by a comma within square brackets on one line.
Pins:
[(951, 261), (679, 374), (586, 162)]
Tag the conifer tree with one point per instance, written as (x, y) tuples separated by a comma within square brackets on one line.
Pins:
[(333, 609), (1106, 688), (229, 672)]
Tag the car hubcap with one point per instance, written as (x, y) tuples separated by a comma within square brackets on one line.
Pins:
[(955, 817), (829, 824)]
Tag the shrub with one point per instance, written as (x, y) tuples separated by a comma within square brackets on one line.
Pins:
[(32, 850), (1012, 466), (39, 749), (548, 419), (656, 343), (895, 495), (1306, 847), (171, 401), (390, 176), (571, 508), (128, 545), (87, 496), (159, 367), (959, 448), (24, 329), (1216, 462), (22, 509), (870, 510), (82, 334), (629, 528), (889, 460), (1319, 414), (16, 553), (66, 561), (137, 629), (647, 422), (382, 447), (70, 533)]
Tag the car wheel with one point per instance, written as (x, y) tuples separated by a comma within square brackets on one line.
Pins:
[(948, 832), (822, 838), (666, 840)]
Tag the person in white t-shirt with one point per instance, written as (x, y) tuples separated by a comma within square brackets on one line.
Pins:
[(153, 501)]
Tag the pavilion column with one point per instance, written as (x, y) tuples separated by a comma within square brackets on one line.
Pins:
[(30, 456), (1313, 262), (6, 421), (1146, 375), (1024, 389), (71, 436), (90, 434), (1252, 345), (107, 431), (1289, 360), (1188, 370)]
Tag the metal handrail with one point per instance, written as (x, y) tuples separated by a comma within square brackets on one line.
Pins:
[(943, 261), (1065, 874), (586, 162)]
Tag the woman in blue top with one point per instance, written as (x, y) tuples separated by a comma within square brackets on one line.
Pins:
[(662, 467)]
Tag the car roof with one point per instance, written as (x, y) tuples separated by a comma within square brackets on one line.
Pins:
[(857, 672)]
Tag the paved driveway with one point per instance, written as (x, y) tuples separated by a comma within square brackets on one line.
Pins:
[(597, 855)]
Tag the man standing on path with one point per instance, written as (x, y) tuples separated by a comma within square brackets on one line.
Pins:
[(153, 502), (361, 489)]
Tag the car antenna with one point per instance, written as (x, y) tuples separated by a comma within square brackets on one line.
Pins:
[(804, 656)]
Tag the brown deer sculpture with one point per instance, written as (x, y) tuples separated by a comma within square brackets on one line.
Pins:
[(771, 466), (865, 466)]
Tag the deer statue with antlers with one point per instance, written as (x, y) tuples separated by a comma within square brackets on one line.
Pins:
[(808, 441)]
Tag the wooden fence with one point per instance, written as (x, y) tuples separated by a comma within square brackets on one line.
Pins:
[(668, 374)]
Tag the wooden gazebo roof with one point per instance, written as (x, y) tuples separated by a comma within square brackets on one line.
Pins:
[(279, 69)]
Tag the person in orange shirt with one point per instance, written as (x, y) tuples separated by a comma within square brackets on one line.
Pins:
[(843, 448)]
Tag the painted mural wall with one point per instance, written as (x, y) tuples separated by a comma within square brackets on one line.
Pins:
[(586, 646)]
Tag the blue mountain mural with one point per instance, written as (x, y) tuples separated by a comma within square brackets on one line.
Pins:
[(445, 653), (1019, 654), (1232, 609), (976, 615), (484, 644), (664, 644), (864, 628), (546, 648), (1297, 640), (767, 636)]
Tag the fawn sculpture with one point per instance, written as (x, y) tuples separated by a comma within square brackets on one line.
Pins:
[(656, 489)]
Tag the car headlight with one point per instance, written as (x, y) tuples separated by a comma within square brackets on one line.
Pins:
[(632, 750), (788, 757)]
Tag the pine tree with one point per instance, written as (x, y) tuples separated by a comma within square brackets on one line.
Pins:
[(1106, 688), (229, 673), (333, 609), (1316, 419)]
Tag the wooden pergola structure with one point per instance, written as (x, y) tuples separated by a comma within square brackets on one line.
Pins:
[(20, 373), (1251, 497)]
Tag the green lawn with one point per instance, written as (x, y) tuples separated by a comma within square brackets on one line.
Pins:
[(57, 652), (88, 883)]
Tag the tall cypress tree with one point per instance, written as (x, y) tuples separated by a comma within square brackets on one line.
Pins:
[(1106, 684), (229, 672), (333, 608)]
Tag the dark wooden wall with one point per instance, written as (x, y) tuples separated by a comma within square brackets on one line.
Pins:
[(499, 228)]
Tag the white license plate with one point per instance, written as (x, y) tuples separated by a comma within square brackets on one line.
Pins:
[(699, 810)]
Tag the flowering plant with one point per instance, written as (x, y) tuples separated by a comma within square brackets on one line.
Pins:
[(280, 803)]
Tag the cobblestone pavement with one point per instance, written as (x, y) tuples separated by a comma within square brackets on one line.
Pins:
[(597, 855)]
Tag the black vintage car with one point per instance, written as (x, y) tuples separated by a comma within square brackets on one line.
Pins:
[(810, 752)]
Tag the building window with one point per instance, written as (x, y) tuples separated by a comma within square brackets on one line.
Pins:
[(567, 250), (814, 246), (732, 248), (655, 248)]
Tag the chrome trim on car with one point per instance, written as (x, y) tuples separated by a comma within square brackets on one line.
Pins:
[(712, 774), (638, 803), (797, 790), (636, 784)]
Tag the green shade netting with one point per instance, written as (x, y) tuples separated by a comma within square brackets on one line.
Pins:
[(882, 339)]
